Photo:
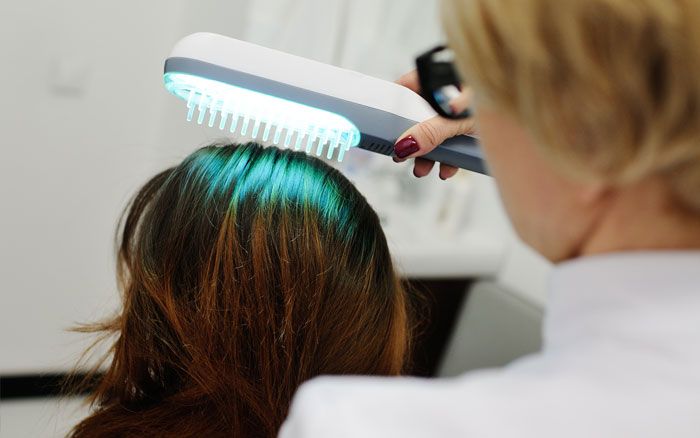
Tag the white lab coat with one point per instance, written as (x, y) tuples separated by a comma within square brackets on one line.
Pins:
[(621, 358)]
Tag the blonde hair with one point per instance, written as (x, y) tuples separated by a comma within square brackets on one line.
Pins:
[(610, 89)]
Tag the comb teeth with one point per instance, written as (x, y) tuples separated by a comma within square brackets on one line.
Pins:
[(312, 139), (264, 118)]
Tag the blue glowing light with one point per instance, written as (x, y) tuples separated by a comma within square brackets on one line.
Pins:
[(270, 178), (260, 116)]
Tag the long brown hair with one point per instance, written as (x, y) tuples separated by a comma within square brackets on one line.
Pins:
[(244, 272)]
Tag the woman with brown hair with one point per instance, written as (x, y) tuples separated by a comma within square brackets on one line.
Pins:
[(245, 271)]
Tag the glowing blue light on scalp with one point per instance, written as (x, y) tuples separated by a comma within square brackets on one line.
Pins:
[(270, 178), (302, 126)]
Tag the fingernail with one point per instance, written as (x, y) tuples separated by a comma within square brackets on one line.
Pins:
[(405, 147)]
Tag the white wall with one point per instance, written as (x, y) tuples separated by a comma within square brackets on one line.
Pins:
[(81, 91)]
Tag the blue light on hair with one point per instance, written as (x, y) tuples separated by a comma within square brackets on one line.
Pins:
[(273, 178), (264, 117)]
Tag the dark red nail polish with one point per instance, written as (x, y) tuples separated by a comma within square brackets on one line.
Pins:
[(405, 147)]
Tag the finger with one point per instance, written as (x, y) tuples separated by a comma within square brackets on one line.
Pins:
[(422, 167), (426, 136), (461, 102), (410, 81), (446, 171)]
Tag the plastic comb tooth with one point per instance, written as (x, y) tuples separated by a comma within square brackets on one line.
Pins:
[(278, 133), (300, 137), (190, 113), (202, 108), (321, 142), (244, 126), (256, 128), (266, 132), (224, 118), (234, 122), (212, 115), (288, 138), (334, 144), (311, 139), (344, 147), (190, 105), (190, 97)]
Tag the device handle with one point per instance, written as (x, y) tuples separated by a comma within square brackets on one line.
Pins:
[(461, 151)]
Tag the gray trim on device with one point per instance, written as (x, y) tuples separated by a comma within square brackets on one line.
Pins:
[(379, 129)]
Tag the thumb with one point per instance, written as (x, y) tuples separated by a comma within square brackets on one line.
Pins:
[(426, 136)]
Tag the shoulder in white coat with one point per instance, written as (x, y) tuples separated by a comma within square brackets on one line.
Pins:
[(621, 359)]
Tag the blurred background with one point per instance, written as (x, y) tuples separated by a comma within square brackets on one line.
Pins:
[(86, 120)]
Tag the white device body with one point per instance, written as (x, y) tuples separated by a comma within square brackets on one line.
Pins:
[(380, 110), (304, 73)]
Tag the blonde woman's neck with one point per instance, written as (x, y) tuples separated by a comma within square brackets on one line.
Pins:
[(643, 217)]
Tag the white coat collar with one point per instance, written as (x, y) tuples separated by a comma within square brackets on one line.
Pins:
[(648, 298)]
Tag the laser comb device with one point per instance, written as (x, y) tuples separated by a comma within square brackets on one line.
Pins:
[(288, 101)]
